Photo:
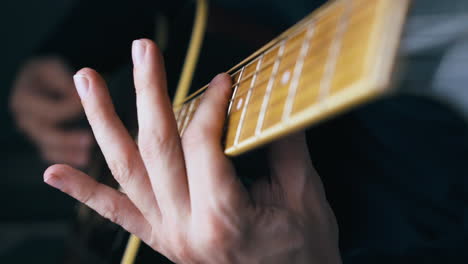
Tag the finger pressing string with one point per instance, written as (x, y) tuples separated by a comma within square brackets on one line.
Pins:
[(210, 173)]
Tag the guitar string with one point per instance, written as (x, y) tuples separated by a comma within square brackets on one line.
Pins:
[(317, 45), (319, 20), (279, 100), (276, 100), (307, 67), (325, 21), (297, 45), (288, 104), (287, 67), (283, 69), (298, 70), (246, 105), (334, 52), (232, 148)]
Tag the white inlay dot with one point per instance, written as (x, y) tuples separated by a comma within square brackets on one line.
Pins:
[(239, 104), (285, 78)]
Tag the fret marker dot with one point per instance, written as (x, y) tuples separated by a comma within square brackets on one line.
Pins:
[(285, 78), (239, 104)]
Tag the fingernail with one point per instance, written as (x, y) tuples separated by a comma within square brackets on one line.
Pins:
[(54, 181), (138, 52), (81, 83)]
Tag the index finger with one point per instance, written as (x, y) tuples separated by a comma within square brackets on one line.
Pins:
[(119, 149)]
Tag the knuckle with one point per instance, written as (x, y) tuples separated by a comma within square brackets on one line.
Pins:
[(153, 144), (196, 137), (111, 212), (86, 198), (181, 250), (215, 235), (122, 168)]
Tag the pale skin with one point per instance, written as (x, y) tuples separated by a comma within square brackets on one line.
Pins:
[(181, 195)]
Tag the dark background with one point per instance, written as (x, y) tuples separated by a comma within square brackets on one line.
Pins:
[(24, 25), (396, 170)]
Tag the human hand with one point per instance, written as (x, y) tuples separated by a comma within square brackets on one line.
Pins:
[(182, 195), (43, 98)]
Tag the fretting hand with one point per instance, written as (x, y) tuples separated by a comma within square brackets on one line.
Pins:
[(182, 195)]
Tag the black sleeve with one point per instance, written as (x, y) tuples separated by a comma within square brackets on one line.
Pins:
[(438, 252), (396, 175)]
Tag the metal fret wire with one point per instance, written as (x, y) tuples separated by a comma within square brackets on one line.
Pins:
[(235, 90), (334, 53), (266, 98), (257, 70), (299, 30), (297, 46), (297, 73), (181, 117), (187, 119), (246, 104)]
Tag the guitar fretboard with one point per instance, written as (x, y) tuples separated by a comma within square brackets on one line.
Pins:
[(339, 56)]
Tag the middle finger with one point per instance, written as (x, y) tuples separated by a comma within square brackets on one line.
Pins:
[(158, 138)]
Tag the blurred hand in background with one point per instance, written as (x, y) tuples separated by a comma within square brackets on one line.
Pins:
[(43, 100)]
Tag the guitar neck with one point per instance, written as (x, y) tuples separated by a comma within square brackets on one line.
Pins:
[(339, 56)]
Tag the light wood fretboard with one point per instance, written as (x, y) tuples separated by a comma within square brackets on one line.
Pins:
[(338, 57)]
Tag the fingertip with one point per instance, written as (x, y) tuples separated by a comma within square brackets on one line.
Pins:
[(86, 71), (141, 48), (149, 70), (54, 181), (222, 79), (220, 87), (210, 116), (151, 45), (56, 169), (54, 175), (90, 82), (82, 81)]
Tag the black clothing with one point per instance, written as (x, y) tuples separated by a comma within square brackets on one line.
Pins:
[(395, 171)]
